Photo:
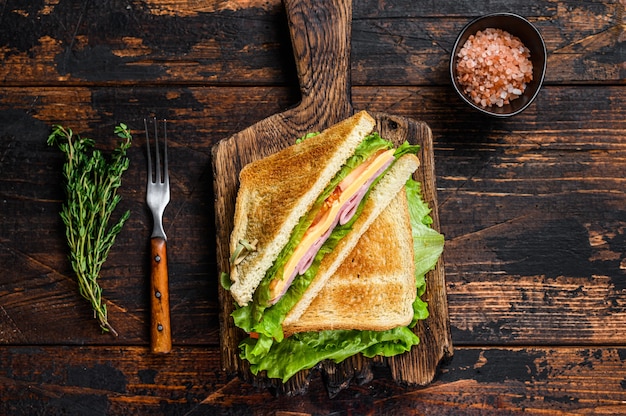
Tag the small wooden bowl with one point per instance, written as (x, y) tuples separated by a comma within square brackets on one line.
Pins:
[(530, 37)]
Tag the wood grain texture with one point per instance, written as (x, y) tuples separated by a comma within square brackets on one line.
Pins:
[(160, 326), (511, 381), (394, 42), (479, 381), (532, 207), (105, 380), (556, 159)]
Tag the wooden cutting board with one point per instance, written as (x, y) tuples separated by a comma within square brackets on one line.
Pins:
[(320, 33)]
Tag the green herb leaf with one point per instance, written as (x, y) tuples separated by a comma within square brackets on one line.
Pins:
[(91, 184)]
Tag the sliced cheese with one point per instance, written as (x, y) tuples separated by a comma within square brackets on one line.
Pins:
[(328, 218)]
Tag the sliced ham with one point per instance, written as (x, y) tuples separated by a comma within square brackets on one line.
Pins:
[(341, 205)]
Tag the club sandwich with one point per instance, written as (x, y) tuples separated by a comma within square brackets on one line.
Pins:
[(325, 216)]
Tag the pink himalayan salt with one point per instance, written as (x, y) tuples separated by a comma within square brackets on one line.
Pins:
[(494, 67)]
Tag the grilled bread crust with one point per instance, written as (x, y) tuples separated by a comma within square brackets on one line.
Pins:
[(275, 192), (374, 288), (332, 266)]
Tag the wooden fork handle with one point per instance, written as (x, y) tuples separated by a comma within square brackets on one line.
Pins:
[(160, 330)]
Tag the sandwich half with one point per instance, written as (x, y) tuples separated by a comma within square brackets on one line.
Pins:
[(380, 197), (374, 287), (277, 191)]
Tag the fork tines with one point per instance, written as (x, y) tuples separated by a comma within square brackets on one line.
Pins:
[(160, 175)]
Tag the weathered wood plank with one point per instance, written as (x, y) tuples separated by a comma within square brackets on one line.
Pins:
[(105, 380), (515, 196), (131, 380), (556, 381), (204, 115), (394, 43), (532, 207)]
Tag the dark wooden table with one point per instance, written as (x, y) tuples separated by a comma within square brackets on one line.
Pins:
[(533, 207)]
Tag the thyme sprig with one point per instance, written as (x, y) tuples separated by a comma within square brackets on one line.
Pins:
[(91, 184)]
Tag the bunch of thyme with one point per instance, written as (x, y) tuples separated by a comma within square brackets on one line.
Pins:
[(91, 184)]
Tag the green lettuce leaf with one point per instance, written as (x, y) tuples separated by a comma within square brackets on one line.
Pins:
[(305, 350)]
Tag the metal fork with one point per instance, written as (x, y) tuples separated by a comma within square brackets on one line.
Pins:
[(157, 197)]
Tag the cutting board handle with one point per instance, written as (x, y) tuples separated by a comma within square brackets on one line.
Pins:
[(321, 31)]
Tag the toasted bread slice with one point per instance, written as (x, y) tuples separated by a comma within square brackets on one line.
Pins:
[(380, 197), (374, 288), (275, 192)]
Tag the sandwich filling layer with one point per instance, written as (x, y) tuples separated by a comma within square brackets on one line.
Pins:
[(338, 208)]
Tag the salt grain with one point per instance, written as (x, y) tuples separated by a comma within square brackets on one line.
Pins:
[(494, 67)]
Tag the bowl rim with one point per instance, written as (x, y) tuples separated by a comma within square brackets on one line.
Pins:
[(542, 51)]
